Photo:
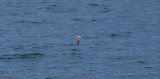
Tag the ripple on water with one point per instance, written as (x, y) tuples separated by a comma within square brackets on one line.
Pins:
[(149, 67), (71, 44), (93, 4), (75, 49), (106, 10), (58, 9), (140, 62), (50, 7), (70, 50), (94, 20), (78, 19), (91, 37), (49, 78), (21, 56), (114, 35), (31, 22), (124, 34), (76, 54)]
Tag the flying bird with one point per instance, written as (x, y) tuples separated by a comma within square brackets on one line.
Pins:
[(78, 38)]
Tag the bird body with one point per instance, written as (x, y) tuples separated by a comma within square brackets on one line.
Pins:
[(78, 38)]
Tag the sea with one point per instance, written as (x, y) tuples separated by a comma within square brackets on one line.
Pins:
[(120, 39)]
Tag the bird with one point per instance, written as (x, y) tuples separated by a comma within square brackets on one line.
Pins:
[(78, 38)]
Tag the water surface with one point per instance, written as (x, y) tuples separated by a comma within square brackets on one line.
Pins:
[(120, 39)]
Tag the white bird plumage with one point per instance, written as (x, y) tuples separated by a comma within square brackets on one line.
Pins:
[(78, 36)]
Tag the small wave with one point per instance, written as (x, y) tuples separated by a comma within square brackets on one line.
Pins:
[(21, 56)]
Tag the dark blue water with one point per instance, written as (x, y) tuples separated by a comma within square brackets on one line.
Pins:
[(120, 39)]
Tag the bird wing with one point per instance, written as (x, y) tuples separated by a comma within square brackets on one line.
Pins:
[(77, 41)]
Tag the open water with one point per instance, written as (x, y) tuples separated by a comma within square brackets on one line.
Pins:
[(120, 39)]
